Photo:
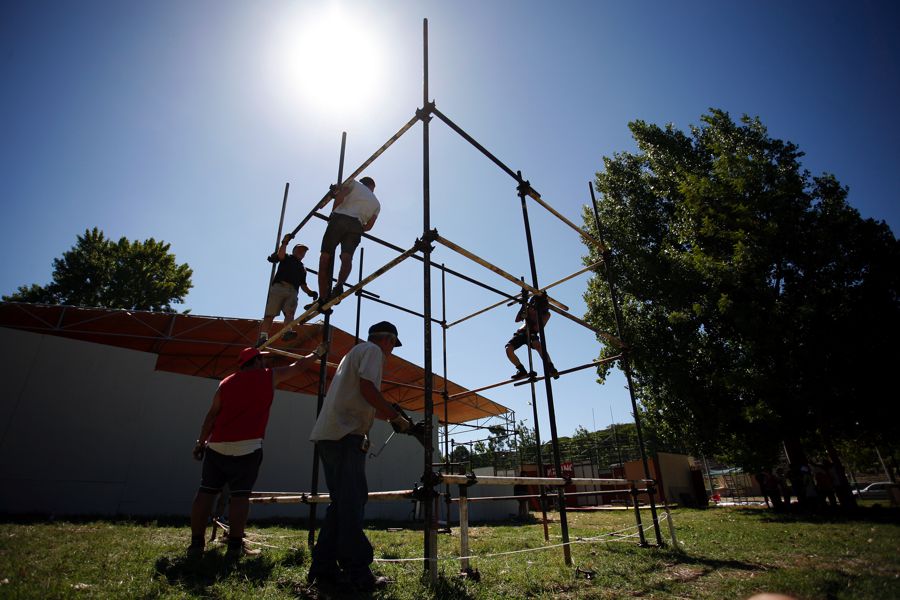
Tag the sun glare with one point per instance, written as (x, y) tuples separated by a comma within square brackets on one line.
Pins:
[(331, 62)]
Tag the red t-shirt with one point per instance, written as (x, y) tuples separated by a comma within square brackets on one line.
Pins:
[(245, 397)]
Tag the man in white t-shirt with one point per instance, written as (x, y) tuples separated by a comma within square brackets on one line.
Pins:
[(342, 554), (355, 210)]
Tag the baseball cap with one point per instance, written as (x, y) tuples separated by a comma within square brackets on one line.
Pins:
[(248, 354), (385, 327)]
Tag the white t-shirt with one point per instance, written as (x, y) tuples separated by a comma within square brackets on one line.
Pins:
[(360, 202), (345, 411)]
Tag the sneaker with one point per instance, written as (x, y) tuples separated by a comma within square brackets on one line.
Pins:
[(239, 548), (552, 372), (263, 338), (520, 373), (336, 291), (289, 335), (370, 584)]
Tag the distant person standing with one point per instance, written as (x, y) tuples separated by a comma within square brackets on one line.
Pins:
[(290, 278), (343, 554), (230, 443), (355, 211)]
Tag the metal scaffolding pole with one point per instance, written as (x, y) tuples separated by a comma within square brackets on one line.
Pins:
[(537, 435), (475, 258), (287, 187), (626, 367), (554, 438), (327, 197), (441, 267), (323, 375), (430, 542)]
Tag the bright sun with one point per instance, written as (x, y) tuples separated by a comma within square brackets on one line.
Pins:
[(332, 63)]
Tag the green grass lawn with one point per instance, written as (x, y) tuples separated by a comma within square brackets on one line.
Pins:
[(724, 553)]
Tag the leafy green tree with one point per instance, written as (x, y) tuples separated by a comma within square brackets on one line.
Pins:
[(98, 272), (761, 308)]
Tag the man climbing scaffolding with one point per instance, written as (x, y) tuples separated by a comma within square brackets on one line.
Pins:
[(355, 210), (289, 279), (537, 307)]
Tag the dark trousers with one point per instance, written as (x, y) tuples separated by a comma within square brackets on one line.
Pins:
[(342, 543)]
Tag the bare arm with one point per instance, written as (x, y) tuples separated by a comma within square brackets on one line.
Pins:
[(206, 429), (341, 194), (282, 374), (383, 408), (282, 249), (371, 223)]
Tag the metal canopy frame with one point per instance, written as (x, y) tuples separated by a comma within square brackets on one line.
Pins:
[(421, 250)]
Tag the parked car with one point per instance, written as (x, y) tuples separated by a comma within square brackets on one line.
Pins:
[(877, 490)]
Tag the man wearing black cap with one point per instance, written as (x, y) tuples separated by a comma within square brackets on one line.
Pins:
[(343, 553), (289, 279), (230, 442)]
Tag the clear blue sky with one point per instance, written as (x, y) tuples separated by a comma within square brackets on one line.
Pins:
[(183, 121)]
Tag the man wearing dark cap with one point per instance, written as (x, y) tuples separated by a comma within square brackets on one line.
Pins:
[(355, 210), (289, 279), (230, 442), (343, 553)]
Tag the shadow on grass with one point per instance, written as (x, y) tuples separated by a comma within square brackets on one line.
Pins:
[(197, 574), (866, 514)]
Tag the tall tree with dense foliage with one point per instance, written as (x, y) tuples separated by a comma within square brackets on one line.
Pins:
[(760, 307), (98, 272)]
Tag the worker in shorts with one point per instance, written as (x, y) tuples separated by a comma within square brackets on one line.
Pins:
[(290, 278), (537, 308), (355, 211)]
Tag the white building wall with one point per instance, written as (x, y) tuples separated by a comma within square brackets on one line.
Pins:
[(93, 429)]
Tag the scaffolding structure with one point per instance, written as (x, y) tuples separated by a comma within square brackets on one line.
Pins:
[(421, 249)]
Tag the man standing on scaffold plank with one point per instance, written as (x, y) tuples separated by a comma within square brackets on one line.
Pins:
[(355, 211)]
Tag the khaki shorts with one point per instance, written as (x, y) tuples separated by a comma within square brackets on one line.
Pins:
[(282, 298)]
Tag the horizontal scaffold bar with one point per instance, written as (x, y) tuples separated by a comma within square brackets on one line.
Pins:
[(327, 197), (443, 268), (606, 336), (530, 496), (496, 304), (532, 193), (500, 480), (302, 498), (473, 257)]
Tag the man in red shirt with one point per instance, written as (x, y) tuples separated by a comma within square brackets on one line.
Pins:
[(230, 442)]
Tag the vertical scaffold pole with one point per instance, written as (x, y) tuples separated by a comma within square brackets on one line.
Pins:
[(287, 186), (626, 367), (537, 430), (430, 542), (445, 394), (551, 411), (323, 374), (362, 256)]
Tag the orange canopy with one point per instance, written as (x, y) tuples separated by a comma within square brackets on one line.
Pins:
[(208, 347)]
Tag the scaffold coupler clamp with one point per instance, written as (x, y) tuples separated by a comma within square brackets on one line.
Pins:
[(471, 480), (634, 491), (423, 244), (524, 188), (422, 492), (424, 113)]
